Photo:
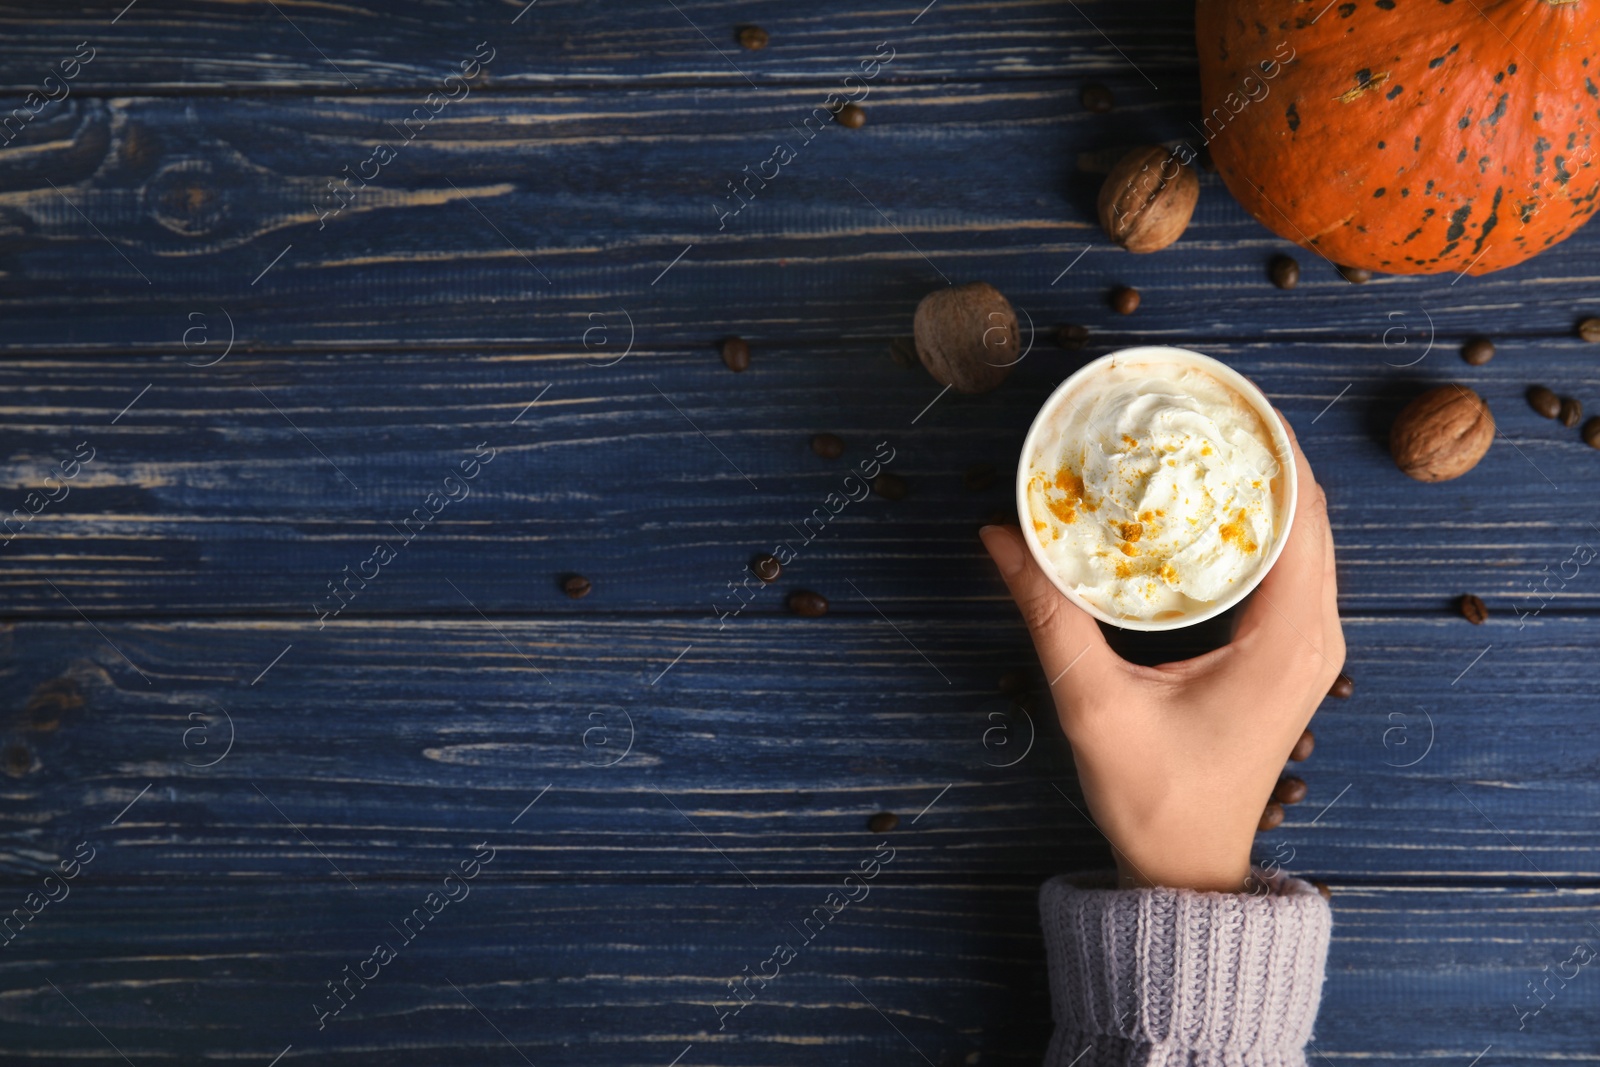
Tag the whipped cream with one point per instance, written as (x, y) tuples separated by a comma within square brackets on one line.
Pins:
[(1154, 491)]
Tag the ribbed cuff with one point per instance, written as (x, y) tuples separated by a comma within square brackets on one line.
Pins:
[(1158, 977)]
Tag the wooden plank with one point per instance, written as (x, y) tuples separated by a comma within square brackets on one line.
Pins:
[(639, 974), (758, 752), (208, 45), (265, 794), (520, 218), (249, 486)]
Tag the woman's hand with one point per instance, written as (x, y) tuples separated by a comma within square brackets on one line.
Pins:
[(1178, 761)]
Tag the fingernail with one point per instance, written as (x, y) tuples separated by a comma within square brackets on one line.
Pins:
[(1003, 549)]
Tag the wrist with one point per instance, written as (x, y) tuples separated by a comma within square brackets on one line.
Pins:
[(1174, 834), (1205, 874)]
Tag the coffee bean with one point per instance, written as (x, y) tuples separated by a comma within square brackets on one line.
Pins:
[(1342, 686), (883, 822), (1271, 817), (1290, 790), (753, 37), (979, 477), (576, 586), (1302, 748), (1322, 887), (1097, 98), (1478, 351), (1589, 330), (1072, 337), (827, 445), (1124, 300), (766, 567), (736, 353), (805, 602), (890, 486), (1356, 275), (1544, 401), (1591, 432), (903, 350), (1015, 683), (851, 116), (1285, 272), (1473, 609), (1571, 412)]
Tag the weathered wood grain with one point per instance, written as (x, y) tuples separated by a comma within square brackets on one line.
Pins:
[(757, 752), (368, 45), (606, 973), (248, 486), (513, 218), (267, 797)]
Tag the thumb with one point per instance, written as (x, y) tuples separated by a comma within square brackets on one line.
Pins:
[(1071, 647)]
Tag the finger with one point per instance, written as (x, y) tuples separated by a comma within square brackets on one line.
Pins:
[(1289, 610), (1333, 629), (1302, 465), (1071, 647)]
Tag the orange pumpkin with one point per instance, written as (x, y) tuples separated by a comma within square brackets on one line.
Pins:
[(1406, 136)]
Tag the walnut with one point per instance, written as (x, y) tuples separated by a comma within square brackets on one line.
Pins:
[(1147, 199), (967, 336), (1442, 434)]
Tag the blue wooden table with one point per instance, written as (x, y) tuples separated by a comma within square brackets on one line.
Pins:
[(307, 756)]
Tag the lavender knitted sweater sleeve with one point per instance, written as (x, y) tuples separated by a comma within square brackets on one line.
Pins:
[(1159, 977)]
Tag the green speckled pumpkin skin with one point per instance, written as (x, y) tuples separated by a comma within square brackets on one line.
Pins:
[(1407, 136)]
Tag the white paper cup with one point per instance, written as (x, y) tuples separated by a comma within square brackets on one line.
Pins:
[(1155, 356)]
